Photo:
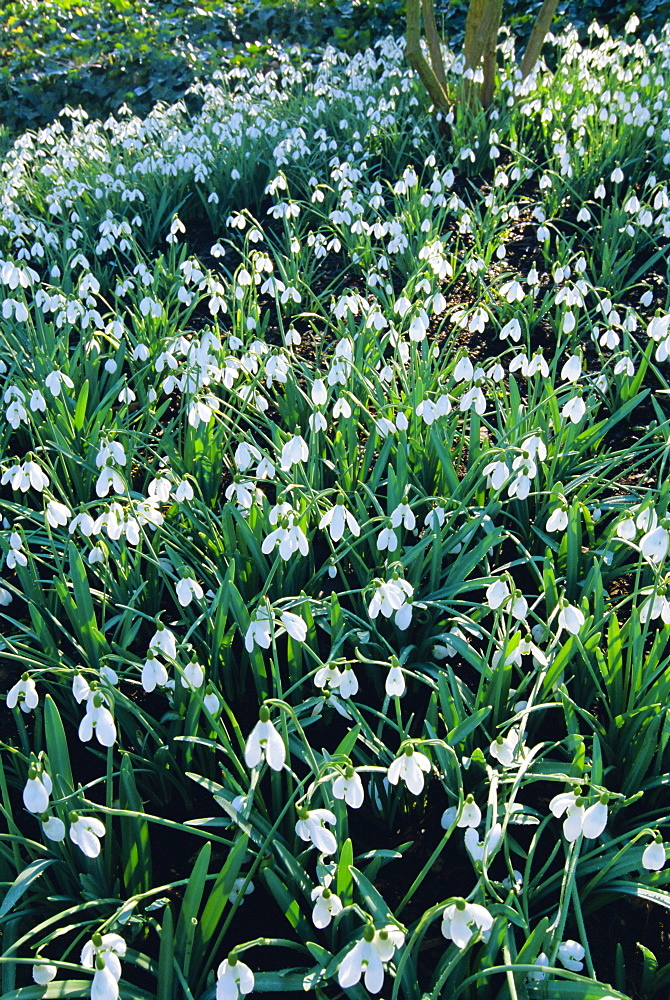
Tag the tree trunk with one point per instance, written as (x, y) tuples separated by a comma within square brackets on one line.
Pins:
[(536, 40), (436, 90), (489, 63), (433, 39)]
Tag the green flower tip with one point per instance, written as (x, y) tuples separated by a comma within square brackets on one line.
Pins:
[(409, 751), (232, 958), (264, 714), (368, 933), (460, 904)]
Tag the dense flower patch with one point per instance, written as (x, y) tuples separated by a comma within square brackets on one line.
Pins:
[(335, 527)]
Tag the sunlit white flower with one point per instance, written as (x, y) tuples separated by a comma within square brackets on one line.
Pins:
[(348, 786), (37, 790), (85, 832), (294, 451), (43, 973), (233, 979), (571, 618), (570, 954), (653, 856), (265, 742), (187, 589), (327, 906), (102, 954), (336, 519), (410, 767), (654, 544), (557, 520), (461, 920), (24, 694), (311, 826)]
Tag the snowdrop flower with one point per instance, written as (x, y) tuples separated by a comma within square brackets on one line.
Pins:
[(653, 856), (461, 920), (187, 589), (483, 851), (164, 641), (348, 786), (367, 956), (572, 369), (327, 906), (558, 519), (99, 720), (654, 544), (265, 742), (57, 513), (570, 618), (503, 749), (393, 597), (395, 682), (85, 832), (16, 556), (24, 694), (233, 978), (574, 409), (570, 954), (102, 954), (336, 519), (471, 814), (294, 451), (54, 828), (43, 973), (578, 819), (496, 594), (311, 826), (294, 625), (37, 790), (542, 961), (154, 673), (410, 767)]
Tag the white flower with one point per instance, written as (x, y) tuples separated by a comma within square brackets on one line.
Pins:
[(335, 520), (395, 682), (558, 520), (57, 513), (327, 906), (102, 954), (654, 544), (571, 619), (187, 589), (233, 979), (458, 920), (572, 369), (85, 832), (392, 597), (43, 974), (294, 451), (99, 720), (54, 828), (471, 814), (164, 641), (570, 954), (294, 625), (260, 629), (154, 673), (311, 826), (265, 742), (578, 819), (24, 694), (653, 856), (574, 409), (485, 849), (410, 766), (496, 594), (503, 749), (37, 790), (348, 786), (367, 956)]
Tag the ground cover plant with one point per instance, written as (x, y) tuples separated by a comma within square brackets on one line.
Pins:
[(334, 536), (102, 53)]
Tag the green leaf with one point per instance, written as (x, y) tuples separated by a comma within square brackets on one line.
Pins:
[(23, 882)]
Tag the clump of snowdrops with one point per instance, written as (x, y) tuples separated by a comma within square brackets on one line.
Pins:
[(335, 534)]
